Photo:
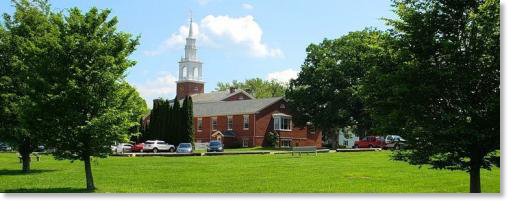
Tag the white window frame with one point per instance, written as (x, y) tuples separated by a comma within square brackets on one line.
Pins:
[(214, 123), (278, 120), (246, 122), (230, 123)]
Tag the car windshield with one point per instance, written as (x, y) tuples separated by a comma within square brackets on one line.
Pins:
[(185, 145), (214, 143)]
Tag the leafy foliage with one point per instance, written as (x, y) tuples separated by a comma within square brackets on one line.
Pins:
[(326, 92), (171, 122), (259, 88), (74, 67), (443, 93)]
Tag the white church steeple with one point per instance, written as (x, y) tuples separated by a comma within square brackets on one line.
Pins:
[(190, 66)]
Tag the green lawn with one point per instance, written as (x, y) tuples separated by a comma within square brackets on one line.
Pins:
[(366, 172)]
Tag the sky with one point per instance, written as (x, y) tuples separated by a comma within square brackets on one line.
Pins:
[(236, 39)]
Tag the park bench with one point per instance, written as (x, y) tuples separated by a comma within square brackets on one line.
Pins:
[(306, 149), (37, 156)]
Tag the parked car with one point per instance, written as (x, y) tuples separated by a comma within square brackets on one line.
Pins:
[(40, 148), (5, 147), (370, 142), (215, 146), (157, 145), (137, 147), (122, 147), (394, 142), (184, 148)]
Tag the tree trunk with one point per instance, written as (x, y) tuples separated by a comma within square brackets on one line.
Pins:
[(88, 171), (25, 157), (474, 175), (332, 136), (25, 150)]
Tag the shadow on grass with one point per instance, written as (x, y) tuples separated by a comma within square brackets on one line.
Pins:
[(48, 190), (19, 172)]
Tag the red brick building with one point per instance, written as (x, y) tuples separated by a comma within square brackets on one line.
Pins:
[(236, 117)]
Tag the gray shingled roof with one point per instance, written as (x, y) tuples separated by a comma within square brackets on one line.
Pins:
[(215, 96), (232, 107)]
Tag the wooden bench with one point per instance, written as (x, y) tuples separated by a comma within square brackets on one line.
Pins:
[(307, 149)]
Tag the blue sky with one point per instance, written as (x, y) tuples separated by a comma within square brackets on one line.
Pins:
[(236, 40)]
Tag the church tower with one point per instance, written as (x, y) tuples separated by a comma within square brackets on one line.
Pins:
[(190, 72)]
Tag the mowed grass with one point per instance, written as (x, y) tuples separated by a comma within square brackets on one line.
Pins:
[(367, 172)]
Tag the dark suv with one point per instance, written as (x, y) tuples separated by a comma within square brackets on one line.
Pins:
[(215, 146)]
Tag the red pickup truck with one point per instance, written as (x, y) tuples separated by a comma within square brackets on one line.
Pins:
[(370, 142)]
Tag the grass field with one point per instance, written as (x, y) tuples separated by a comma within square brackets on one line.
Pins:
[(367, 172)]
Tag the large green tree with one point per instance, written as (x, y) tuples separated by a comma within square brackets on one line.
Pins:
[(326, 92), (21, 37), (443, 95), (75, 78), (258, 87)]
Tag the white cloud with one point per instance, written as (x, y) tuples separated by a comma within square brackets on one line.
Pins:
[(247, 6), (162, 86), (283, 76), (243, 31), (177, 39), (203, 2)]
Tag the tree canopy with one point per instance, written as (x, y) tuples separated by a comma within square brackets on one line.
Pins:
[(326, 92), (259, 88), (443, 93), (75, 66)]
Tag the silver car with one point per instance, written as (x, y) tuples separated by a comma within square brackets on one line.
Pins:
[(184, 148), (157, 145)]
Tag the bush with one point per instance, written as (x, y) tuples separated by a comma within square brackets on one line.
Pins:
[(271, 139)]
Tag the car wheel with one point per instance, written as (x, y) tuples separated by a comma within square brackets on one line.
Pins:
[(397, 147), (155, 150), (370, 146), (171, 149), (355, 146)]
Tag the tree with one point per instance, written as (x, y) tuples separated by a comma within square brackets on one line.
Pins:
[(444, 93), (20, 37), (258, 87), (76, 75), (176, 121), (188, 121), (326, 92), (135, 105)]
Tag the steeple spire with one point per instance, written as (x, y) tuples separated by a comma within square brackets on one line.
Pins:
[(190, 25)]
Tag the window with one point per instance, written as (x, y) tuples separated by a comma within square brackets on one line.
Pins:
[(312, 129), (214, 123), (245, 142), (230, 122), (196, 74), (245, 122), (184, 72), (285, 143), (200, 124), (282, 122)]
